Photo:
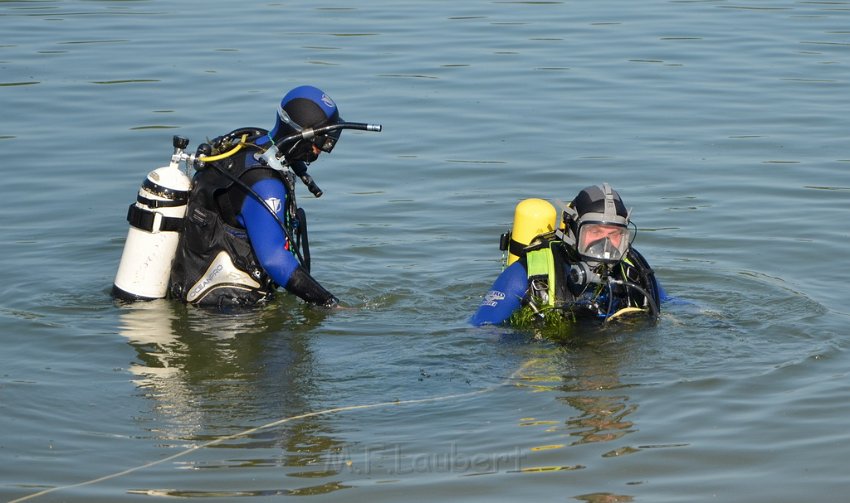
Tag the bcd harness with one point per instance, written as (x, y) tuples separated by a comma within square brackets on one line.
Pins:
[(215, 262), (540, 264), (631, 285)]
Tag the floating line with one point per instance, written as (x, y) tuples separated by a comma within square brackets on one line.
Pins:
[(273, 424)]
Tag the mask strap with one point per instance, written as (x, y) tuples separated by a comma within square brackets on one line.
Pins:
[(286, 119), (569, 214), (610, 207)]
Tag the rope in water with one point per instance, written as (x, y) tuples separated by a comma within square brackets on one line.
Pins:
[(272, 425)]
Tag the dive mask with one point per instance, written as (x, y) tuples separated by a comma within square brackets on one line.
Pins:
[(603, 241), (327, 142), (302, 150)]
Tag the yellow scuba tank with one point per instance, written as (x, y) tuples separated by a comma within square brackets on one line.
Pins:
[(532, 217)]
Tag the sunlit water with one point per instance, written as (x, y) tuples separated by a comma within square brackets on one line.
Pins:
[(723, 124)]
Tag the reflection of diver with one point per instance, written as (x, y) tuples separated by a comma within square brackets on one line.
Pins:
[(583, 267), (208, 374), (594, 389), (585, 378)]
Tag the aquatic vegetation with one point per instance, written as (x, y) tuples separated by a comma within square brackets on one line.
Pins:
[(547, 322)]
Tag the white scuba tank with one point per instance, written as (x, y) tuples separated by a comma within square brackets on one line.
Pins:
[(155, 221)]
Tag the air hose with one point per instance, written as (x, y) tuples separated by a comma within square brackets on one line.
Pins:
[(653, 308), (237, 148)]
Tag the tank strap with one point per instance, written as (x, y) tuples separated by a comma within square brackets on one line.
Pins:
[(152, 221), (516, 248), (159, 203), (538, 242), (155, 188)]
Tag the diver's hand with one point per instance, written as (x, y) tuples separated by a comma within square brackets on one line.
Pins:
[(307, 288)]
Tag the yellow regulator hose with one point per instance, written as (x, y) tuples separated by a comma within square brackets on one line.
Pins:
[(227, 154), (625, 310)]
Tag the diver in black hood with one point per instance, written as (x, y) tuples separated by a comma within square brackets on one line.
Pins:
[(581, 267), (243, 234)]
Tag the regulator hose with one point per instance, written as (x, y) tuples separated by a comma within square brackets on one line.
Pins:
[(303, 241), (259, 199), (652, 306), (237, 148)]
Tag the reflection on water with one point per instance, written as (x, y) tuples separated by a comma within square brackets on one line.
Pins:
[(585, 377), (310, 491), (210, 375), (604, 498), (602, 418)]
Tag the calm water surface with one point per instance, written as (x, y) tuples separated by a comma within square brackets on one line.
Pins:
[(724, 124)]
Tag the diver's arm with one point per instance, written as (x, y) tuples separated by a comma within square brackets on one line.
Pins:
[(268, 240), (503, 298)]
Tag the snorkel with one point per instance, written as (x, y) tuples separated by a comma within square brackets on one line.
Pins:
[(270, 153), (275, 157)]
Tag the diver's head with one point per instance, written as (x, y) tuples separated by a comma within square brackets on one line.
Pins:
[(599, 221), (301, 108)]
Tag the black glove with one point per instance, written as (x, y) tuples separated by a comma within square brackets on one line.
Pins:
[(307, 288)]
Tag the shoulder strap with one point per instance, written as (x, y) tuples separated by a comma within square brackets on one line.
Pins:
[(541, 262)]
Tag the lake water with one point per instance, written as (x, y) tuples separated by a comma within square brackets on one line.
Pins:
[(725, 125)]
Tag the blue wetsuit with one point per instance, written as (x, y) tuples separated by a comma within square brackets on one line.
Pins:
[(233, 251), (264, 232), (503, 298), (268, 240)]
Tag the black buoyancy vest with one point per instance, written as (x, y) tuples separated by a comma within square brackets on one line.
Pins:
[(548, 267), (215, 264)]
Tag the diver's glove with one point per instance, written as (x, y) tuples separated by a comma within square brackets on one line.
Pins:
[(307, 288)]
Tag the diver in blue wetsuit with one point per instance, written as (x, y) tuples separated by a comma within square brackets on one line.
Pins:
[(243, 235), (582, 267)]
